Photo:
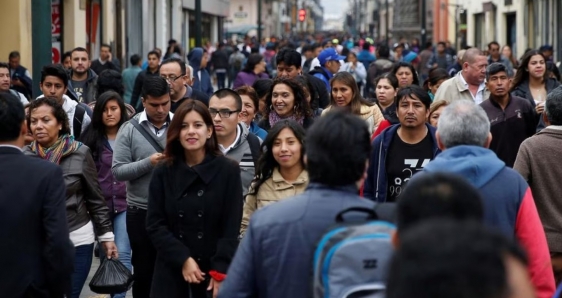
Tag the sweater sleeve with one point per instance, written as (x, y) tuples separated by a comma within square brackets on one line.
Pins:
[(522, 162), (124, 168), (369, 186), (250, 206), (530, 233), (95, 202), (378, 117)]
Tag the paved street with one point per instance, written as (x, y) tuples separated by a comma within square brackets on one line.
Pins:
[(86, 293)]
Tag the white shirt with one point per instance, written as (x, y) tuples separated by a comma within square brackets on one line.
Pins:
[(158, 132), (238, 133), (479, 97), (69, 106)]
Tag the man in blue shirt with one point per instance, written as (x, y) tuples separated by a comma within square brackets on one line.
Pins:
[(329, 65), (130, 75)]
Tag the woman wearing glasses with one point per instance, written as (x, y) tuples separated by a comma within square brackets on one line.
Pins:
[(194, 208), (286, 100)]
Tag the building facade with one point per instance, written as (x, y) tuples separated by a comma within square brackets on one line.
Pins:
[(522, 24), (407, 19)]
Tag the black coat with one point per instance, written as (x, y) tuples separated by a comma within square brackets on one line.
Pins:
[(320, 89), (193, 212), (36, 254)]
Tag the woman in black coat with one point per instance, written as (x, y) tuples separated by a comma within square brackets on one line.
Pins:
[(194, 208)]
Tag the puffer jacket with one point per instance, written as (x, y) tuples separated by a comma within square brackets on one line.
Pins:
[(84, 199), (272, 190), (371, 114)]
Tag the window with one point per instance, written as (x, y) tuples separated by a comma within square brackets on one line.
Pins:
[(479, 28)]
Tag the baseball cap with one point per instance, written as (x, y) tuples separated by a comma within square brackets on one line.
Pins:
[(329, 54)]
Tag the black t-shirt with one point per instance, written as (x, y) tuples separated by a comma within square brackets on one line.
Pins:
[(403, 161), (79, 87)]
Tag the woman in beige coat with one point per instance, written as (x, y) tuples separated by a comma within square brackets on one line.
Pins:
[(281, 172), (345, 94)]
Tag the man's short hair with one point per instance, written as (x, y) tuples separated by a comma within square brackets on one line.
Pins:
[(14, 54), (383, 51), (553, 106), (65, 55), (463, 123), (110, 80), (104, 45), (437, 195), (135, 59), (154, 86), (330, 158), (55, 70), (290, 57), (225, 92), (180, 62), (153, 52), (443, 258), (493, 43), (442, 43), (12, 115), (471, 54), (494, 69), (410, 92), (4, 65), (80, 49)]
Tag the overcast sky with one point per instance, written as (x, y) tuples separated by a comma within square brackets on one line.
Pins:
[(334, 8)]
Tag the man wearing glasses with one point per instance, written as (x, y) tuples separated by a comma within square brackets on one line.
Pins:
[(235, 140), (470, 82), (178, 76)]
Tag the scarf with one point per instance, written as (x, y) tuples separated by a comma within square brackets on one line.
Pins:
[(274, 118), (64, 146)]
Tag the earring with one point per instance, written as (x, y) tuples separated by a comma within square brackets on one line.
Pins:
[(271, 107), (208, 137)]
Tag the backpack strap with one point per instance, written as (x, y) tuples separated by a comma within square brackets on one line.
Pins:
[(254, 143), (147, 135), (77, 121)]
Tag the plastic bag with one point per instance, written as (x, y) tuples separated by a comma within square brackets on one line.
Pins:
[(112, 277)]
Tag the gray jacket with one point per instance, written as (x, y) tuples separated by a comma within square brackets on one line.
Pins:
[(242, 153), (131, 162), (275, 257)]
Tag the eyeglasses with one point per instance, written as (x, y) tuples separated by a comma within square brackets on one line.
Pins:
[(222, 113), (171, 78)]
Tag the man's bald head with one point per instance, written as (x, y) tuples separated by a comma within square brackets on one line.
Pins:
[(471, 55)]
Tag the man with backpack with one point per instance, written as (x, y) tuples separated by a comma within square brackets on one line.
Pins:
[(275, 257), (382, 65), (235, 61)]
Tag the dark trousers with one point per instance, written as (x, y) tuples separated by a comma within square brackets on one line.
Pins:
[(82, 263), (221, 78), (143, 252)]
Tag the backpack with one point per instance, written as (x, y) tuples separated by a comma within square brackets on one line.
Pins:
[(351, 259), (237, 64), (254, 143)]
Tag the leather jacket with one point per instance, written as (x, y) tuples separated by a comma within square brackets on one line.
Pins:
[(84, 199)]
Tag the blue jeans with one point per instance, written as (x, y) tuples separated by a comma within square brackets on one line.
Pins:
[(82, 262), (122, 243)]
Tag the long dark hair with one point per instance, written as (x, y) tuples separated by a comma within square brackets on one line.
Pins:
[(357, 101), (523, 71), (314, 99), (301, 104), (267, 163), (174, 150), (253, 60), (95, 135), (412, 69), (435, 75)]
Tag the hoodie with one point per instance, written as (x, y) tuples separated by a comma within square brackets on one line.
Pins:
[(376, 183), (88, 94), (201, 77), (508, 205)]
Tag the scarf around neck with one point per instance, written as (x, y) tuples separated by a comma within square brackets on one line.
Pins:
[(64, 146), (274, 118)]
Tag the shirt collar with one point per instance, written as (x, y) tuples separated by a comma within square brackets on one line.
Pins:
[(144, 117), (238, 134), (463, 81)]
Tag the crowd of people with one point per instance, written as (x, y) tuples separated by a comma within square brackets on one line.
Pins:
[(226, 193)]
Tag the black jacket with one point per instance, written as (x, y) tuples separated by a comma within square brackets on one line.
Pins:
[(97, 67), (193, 212), (87, 95), (135, 97), (219, 59), (194, 94), (36, 254), (523, 91), (265, 125)]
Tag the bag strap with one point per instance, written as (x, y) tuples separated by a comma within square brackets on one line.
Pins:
[(254, 143), (147, 135), (371, 214), (79, 112)]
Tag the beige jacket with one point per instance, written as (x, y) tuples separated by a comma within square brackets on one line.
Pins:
[(371, 114), (272, 190), (455, 89)]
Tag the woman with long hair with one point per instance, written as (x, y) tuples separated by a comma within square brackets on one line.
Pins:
[(108, 116), (254, 69), (311, 95), (286, 100), (406, 74), (508, 53), (85, 204), (436, 77), (346, 95), (280, 172), (194, 208), (250, 104), (532, 80)]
